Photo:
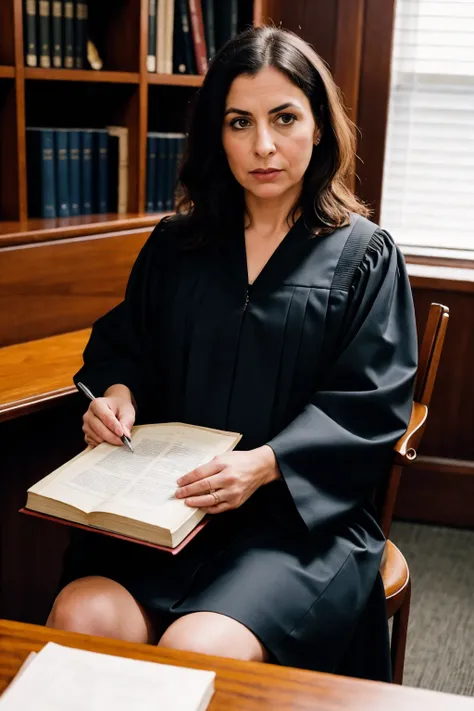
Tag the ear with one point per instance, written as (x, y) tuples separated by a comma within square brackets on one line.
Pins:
[(317, 135)]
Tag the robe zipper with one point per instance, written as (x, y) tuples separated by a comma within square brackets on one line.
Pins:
[(247, 298)]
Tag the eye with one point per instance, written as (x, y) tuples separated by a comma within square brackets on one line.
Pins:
[(239, 123), (287, 119)]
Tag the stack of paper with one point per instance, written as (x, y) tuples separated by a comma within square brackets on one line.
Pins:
[(63, 679)]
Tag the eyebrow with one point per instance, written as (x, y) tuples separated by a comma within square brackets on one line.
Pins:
[(233, 110)]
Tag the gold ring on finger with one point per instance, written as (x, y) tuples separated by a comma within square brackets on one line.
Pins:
[(209, 485), (216, 498)]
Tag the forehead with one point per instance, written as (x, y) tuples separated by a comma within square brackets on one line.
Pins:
[(264, 90)]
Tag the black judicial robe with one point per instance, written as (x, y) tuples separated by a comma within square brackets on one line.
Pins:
[(324, 376)]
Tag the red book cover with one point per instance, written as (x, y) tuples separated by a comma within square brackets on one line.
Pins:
[(173, 551), (197, 24)]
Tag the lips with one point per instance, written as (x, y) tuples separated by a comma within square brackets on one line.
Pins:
[(266, 171)]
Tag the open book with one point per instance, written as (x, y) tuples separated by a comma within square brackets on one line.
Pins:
[(60, 678), (133, 494)]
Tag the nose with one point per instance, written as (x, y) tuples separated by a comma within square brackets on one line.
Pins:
[(264, 144)]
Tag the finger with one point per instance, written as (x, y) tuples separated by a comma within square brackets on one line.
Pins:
[(100, 432), (198, 488), (90, 442), (206, 501), (205, 470), (220, 508), (126, 417), (102, 411)]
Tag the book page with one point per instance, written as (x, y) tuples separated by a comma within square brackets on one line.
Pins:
[(141, 485), (65, 679)]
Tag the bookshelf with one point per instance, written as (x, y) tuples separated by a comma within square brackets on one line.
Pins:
[(122, 93)]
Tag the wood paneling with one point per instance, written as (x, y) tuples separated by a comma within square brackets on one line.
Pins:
[(52, 288), (373, 99)]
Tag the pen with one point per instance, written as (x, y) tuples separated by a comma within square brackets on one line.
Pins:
[(126, 440)]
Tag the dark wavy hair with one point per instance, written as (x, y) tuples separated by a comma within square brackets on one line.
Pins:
[(211, 196)]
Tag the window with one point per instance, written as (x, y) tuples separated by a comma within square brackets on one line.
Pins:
[(428, 187)]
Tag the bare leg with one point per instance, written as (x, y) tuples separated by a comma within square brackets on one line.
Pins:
[(211, 633), (100, 606)]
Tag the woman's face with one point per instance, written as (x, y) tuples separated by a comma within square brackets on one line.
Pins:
[(268, 133)]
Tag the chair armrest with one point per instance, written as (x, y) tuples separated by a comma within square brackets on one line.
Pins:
[(406, 447)]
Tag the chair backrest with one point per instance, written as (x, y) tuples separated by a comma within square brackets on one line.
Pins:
[(405, 451)]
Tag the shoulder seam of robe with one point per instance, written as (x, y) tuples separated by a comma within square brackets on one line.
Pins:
[(353, 252)]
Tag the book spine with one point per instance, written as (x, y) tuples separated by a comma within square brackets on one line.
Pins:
[(86, 172), (181, 145), (61, 173), (226, 19), (150, 172), (69, 34), (187, 40), (74, 167), (102, 155), (209, 26), (80, 34), (172, 159), (44, 34), (160, 173), (57, 53), (30, 33), (40, 172), (169, 37), (151, 58), (119, 163), (199, 40)]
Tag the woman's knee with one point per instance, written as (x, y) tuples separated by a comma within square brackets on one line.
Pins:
[(101, 607), (214, 634)]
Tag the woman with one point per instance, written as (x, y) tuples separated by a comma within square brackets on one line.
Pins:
[(259, 309)]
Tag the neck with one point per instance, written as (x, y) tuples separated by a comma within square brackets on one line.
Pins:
[(270, 216)]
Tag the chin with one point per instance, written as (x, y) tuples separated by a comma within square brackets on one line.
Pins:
[(269, 190)]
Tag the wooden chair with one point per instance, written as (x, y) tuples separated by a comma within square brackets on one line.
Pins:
[(394, 568)]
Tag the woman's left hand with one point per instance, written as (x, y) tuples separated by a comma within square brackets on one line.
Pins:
[(228, 480)]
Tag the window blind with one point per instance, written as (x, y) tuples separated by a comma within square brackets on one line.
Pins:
[(428, 179)]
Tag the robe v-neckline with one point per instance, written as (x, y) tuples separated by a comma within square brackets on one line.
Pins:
[(235, 251)]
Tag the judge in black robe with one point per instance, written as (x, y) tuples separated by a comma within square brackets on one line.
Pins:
[(319, 368)]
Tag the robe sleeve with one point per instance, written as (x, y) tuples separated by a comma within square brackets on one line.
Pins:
[(117, 351), (333, 454)]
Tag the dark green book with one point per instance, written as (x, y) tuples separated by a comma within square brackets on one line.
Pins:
[(61, 155), (150, 171), (226, 20), (44, 33), (87, 189), (31, 40), (57, 32), (184, 38), (40, 172), (68, 34), (80, 34), (74, 168), (209, 26)]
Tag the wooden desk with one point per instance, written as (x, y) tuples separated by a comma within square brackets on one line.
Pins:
[(240, 686), (38, 373)]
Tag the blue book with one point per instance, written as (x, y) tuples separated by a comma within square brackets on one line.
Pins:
[(74, 167), (172, 169), (101, 171), (40, 172), (151, 140), (86, 172), (61, 170), (160, 173)]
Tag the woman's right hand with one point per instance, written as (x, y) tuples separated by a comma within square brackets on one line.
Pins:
[(109, 417)]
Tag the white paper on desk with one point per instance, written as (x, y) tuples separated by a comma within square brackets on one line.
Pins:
[(65, 679)]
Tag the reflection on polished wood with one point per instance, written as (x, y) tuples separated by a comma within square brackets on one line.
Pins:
[(82, 75), (34, 373), (240, 686)]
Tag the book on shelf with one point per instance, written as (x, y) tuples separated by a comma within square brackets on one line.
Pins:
[(61, 154), (44, 14), (150, 172), (118, 168), (209, 26), (226, 20), (41, 172), (101, 159), (151, 57), (199, 40), (57, 34), (183, 51), (80, 34), (86, 171), (62, 678), (31, 42), (74, 172), (132, 495), (164, 154), (68, 34)]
